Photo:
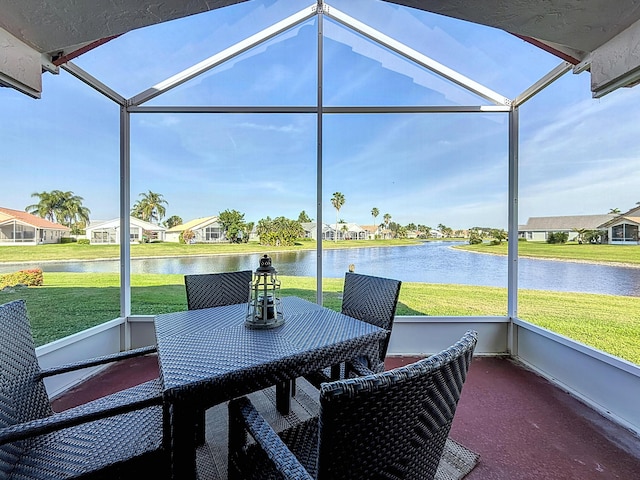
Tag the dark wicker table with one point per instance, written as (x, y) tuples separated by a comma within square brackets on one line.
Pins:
[(208, 356)]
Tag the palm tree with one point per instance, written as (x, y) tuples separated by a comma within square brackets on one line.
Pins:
[(71, 211), (386, 218), (374, 213), (172, 221), (614, 211), (46, 207), (150, 207), (337, 201), (581, 232), (64, 208)]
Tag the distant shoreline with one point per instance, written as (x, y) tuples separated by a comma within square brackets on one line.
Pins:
[(556, 259)]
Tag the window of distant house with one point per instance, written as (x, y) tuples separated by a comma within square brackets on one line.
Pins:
[(212, 233)]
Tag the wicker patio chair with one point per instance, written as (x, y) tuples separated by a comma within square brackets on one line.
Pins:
[(118, 436), (372, 300), (384, 425), (217, 289)]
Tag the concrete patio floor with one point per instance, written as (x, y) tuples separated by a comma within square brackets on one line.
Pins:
[(522, 426)]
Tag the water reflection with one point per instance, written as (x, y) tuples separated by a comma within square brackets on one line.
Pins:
[(433, 262)]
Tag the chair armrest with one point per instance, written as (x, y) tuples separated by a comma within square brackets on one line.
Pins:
[(136, 398), (357, 368), (244, 417), (114, 357)]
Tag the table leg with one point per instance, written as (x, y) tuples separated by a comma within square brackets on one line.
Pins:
[(283, 397), (183, 442)]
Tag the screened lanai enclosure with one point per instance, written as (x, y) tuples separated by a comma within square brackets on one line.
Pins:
[(415, 110)]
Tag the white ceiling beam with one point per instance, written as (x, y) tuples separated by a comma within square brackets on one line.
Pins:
[(94, 83), (416, 57), (616, 63), (543, 83), (223, 56)]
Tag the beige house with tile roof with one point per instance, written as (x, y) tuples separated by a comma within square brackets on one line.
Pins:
[(537, 229), (22, 228), (623, 229), (206, 229)]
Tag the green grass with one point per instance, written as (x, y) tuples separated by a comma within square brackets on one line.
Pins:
[(71, 302), (73, 251), (623, 254)]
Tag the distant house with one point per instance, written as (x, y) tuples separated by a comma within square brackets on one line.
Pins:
[(349, 231), (108, 232), (206, 230), (311, 230), (539, 228), (373, 231), (22, 228), (623, 228)]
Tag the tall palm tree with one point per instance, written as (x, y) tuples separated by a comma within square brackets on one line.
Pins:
[(46, 206), (374, 213), (150, 207), (386, 218), (62, 207), (614, 211), (72, 213), (337, 201)]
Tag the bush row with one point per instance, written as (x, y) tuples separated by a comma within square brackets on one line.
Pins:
[(31, 278)]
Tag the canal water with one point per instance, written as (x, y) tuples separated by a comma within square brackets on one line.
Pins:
[(430, 262)]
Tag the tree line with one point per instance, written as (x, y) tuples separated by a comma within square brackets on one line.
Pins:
[(67, 209)]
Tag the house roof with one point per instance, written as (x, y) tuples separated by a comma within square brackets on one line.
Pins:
[(622, 219), (115, 223), (194, 224), (597, 35), (569, 222), (352, 227), (7, 215)]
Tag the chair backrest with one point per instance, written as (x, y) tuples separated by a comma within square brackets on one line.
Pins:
[(372, 300), (23, 396), (392, 424), (217, 289)]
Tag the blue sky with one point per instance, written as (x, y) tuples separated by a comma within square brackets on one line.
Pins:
[(577, 155)]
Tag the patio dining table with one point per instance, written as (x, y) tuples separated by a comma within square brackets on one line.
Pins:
[(209, 356)]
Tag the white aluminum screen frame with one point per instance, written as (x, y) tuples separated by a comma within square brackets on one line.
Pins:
[(500, 104)]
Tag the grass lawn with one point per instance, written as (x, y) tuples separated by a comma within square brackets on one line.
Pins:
[(71, 302), (623, 254)]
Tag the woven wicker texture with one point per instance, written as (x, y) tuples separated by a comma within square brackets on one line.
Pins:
[(217, 289), (390, 425), (208, 356), (372, 300), (95, 443)]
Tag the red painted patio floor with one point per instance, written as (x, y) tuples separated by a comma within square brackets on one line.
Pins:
[(521, 425)]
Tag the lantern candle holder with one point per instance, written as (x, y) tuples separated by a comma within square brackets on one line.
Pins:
[(265, 305)]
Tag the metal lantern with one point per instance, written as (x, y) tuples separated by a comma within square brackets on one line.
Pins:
[(265, 306)]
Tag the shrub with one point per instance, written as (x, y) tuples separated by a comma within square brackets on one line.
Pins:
[(84, 241), (32, 278), (67, 240), (187, 236), (495, 242), (475, 238), (558, 237)]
